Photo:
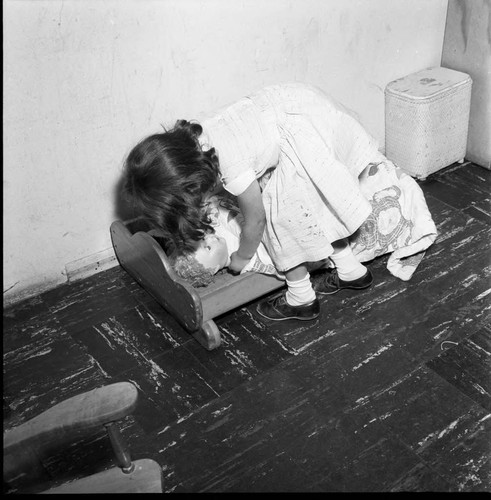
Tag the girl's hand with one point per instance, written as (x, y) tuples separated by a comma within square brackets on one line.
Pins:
[(237, 263)]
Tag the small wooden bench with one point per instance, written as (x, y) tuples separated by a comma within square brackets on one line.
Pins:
[(139, 252)]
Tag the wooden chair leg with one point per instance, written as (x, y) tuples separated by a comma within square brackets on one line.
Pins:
[(122, 454)]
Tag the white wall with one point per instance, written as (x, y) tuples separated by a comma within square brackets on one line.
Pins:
[(467, 48), (85, 79)]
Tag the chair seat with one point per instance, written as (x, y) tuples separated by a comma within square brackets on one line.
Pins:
[(145, 478)]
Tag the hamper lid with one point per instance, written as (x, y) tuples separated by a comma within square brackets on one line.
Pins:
[(427, 83)]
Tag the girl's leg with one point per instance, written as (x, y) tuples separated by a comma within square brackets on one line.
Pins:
[(298, 302), (300, 291), (349, 273), (347, 265)]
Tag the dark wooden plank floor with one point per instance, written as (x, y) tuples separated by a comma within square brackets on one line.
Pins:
[(388, 390)]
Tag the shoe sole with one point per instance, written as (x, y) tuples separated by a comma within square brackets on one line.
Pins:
[(345, 288), (286, 319)]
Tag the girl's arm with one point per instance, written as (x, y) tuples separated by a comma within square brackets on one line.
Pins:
[(252, 208)]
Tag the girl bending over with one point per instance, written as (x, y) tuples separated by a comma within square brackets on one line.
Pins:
[(292, 156)]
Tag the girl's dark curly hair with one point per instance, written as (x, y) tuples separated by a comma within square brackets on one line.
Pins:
[(166, 176)]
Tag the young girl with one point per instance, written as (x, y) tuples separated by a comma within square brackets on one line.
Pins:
[(292, 156)]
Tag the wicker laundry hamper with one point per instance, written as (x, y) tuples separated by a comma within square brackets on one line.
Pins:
[(427, 120)]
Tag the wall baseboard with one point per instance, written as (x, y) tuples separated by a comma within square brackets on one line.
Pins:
[(92, 264), (76, 270)]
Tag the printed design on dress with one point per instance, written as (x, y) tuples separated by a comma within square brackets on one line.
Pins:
[(386, 228)]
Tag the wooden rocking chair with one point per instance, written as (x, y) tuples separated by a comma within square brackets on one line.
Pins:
[(26, 445)]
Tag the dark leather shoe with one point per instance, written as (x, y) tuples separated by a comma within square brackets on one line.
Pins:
[(329, 282), (277, 308)]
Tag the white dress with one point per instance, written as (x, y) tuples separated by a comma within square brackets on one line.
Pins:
[(307, 152)]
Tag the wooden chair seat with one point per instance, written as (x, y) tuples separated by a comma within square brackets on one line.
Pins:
[(145, 478), (26, 445)]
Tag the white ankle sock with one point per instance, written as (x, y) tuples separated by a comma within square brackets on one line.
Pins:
[(300, 292), (347, 265)]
